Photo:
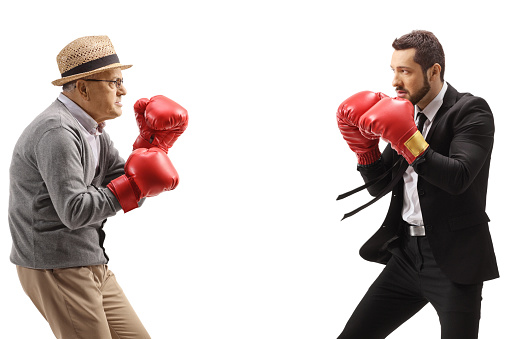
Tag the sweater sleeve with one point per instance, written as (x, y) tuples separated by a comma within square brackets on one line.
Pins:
[(61, 163), (114, 162), (115, 167)]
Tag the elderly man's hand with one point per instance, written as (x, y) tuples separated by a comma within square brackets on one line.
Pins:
[(161, 122), (148, 172)]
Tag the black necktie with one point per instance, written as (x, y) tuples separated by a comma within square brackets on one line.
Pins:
[(401, 164), (421, 119)]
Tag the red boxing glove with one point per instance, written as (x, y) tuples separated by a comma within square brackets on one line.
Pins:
[(348, 115), (148, 172), (160, 120), (392, 119)]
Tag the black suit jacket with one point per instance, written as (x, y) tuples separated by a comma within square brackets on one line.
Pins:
[(452, 185)]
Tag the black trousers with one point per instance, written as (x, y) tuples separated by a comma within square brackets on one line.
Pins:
[(409, 281)]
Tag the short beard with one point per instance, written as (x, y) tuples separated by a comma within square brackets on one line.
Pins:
[(414, 99)]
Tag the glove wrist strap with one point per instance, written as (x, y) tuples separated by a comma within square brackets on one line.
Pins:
[(125, 193), (368, 158), (416, 144)]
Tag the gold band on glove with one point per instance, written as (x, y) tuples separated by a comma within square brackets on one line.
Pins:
[(416, 144)]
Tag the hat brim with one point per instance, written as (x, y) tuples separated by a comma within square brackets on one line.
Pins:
[(64, 80)]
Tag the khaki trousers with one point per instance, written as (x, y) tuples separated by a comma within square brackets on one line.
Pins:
[(82, 303)]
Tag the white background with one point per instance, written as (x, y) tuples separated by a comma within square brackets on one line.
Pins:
[(250, 244)]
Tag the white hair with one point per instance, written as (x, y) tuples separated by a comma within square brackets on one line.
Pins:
[(69, 86)]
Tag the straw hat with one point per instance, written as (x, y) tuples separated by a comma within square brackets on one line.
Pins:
[(86, 56)]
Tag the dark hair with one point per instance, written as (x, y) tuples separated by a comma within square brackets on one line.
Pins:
[(428, 49)]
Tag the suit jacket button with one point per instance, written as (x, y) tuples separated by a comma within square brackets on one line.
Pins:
[(421, 191)]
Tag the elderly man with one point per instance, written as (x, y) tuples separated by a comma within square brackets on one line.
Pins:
[(66, 179)]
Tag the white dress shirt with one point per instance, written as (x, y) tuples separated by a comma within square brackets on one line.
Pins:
[(411, 211), (89, 126)]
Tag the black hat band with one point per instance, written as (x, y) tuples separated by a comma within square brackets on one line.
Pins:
[(92, 65)]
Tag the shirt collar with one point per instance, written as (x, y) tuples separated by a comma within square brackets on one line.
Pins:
[(432, 109), (85, 120)]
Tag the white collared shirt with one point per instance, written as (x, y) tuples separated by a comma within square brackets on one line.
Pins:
[(411, 211), (88, 125)]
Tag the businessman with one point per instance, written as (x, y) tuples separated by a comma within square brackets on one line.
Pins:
[(435, 240)]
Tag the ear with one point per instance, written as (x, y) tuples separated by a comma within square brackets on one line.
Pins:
[(81, 87), (435, 72)]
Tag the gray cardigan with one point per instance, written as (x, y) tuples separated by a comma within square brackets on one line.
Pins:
[(58, 203)]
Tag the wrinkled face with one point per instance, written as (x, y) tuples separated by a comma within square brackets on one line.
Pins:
[(104, 98), (409, 80)]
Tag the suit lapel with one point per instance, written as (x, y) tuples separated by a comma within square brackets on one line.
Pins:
[(450, 98)]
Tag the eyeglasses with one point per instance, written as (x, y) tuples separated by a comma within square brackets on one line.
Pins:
[(117, 82)]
